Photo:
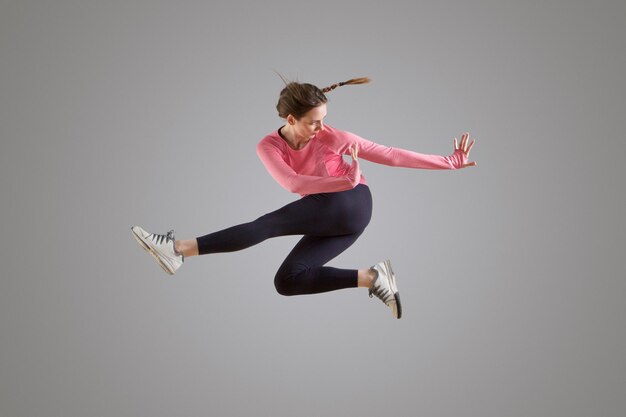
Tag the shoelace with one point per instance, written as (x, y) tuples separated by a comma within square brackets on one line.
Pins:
[(376, 290), (383, 293), (160, 238)]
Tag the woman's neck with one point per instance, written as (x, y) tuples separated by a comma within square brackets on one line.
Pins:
[(292, 139)]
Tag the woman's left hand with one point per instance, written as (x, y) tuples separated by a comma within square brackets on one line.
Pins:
[(465, 148)]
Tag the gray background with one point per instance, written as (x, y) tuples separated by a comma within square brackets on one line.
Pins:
[(148, 112)]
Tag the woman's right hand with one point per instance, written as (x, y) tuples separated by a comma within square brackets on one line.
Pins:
[(355, 170), (354, 151)]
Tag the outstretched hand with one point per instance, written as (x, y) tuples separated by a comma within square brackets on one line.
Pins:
[(465, 148)]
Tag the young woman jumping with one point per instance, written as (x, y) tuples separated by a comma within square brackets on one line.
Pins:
[(305, 156)]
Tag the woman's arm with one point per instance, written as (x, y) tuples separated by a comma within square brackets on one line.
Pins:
[(397, 157), (305, 184)]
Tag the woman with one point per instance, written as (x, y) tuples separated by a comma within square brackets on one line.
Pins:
[(305, 157)]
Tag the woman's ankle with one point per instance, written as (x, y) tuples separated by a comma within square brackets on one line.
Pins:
[(186, 247), (366, 277)]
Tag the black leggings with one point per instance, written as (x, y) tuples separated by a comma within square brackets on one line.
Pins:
[(330, 223)]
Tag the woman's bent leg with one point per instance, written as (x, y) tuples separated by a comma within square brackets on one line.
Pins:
[(303, 271)]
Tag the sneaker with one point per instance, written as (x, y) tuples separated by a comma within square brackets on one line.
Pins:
[(384, 287), (161, 247)]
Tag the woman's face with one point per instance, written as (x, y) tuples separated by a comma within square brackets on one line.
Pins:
[(311, 123)]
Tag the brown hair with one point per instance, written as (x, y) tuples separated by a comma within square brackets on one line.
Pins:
[(298, 98)]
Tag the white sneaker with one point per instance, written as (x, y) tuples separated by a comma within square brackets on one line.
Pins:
[(161, 247), (384, 287)]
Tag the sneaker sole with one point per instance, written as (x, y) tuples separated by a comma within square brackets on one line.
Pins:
[(397, 307), (148, 249)]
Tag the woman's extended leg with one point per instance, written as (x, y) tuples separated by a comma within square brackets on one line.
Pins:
[(327, 214)]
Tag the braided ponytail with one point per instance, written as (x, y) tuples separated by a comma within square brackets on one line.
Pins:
[(362, 80), (298, 98)]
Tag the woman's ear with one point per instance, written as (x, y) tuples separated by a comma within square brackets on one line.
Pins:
[(291, 120)]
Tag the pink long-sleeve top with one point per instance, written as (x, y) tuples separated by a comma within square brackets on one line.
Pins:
[(319, 167)]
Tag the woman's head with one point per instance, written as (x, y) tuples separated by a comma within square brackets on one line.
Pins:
[(297, 99)]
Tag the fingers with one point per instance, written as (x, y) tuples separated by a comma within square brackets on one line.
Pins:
[(354, 150), (463, 141), (465, 145), (469, 148)]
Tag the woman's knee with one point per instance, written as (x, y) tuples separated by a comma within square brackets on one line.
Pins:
[(288, 279), (284, 286)]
